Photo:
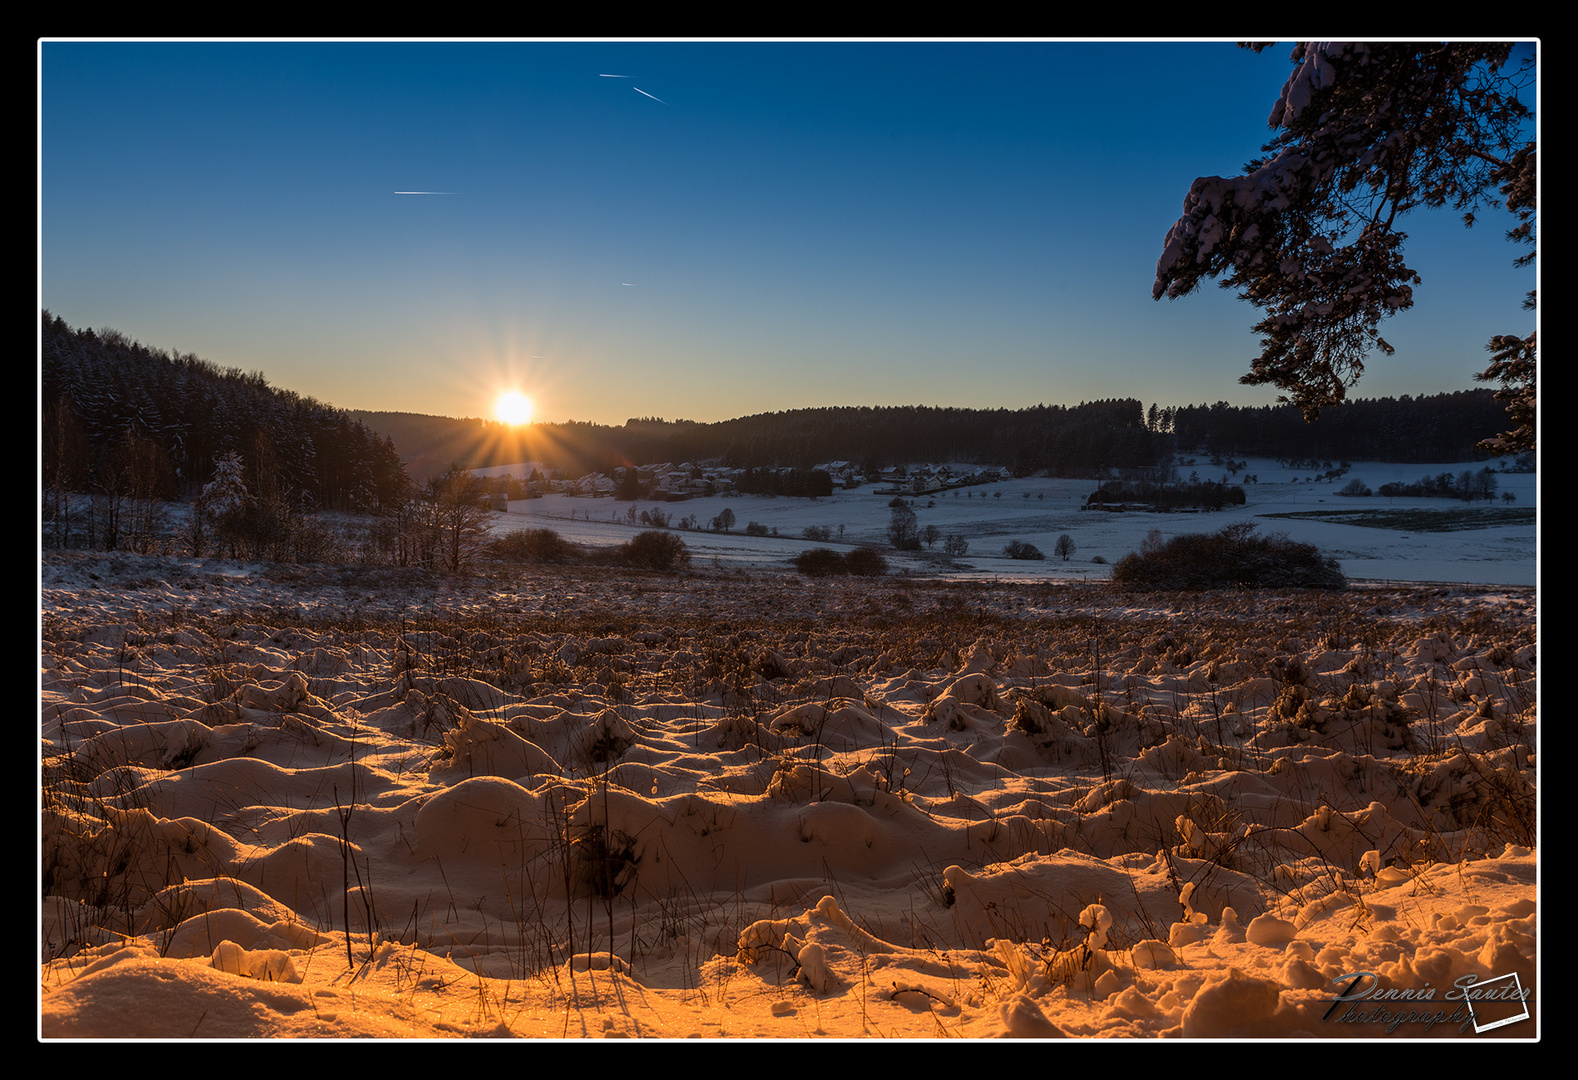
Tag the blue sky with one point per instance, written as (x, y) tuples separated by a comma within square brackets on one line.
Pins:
[(779, 225)]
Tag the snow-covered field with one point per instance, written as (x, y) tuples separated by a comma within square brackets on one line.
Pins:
[(341, 802), (1038, 510)]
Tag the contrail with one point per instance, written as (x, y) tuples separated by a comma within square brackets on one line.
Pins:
[(654, 97), (616, 76), (424, 193)]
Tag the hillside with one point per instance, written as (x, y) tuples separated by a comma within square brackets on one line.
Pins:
[(1075, 440), (130, 420)]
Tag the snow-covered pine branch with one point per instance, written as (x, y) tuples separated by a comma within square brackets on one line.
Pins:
[(1365, 132)]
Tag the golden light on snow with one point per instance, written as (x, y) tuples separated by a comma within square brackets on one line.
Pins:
[(513, 407)]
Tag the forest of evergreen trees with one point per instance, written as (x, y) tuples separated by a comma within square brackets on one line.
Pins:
[(1433, 428), (118, 415), (1067, 440), (1078, 440)]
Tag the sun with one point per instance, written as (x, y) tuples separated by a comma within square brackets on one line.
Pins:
[(513, 407)]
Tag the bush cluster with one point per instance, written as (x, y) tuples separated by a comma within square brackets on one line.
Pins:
[(825, 562), (530, 545), (1208, 495), (1467, 485), (1020, 549), (1231, 558), (651, 549), (655, 550)]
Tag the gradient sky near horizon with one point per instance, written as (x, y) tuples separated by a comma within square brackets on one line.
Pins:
[(724, 229)]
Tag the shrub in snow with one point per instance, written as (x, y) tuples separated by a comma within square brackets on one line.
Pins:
[(531, 545), (1231, 558), (1019, 549), (655, 550), (820, 562), (824, 562), (864, 562)]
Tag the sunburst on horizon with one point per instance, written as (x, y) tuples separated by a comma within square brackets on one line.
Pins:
[(513, 407)]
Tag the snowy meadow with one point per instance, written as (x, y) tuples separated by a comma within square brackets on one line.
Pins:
[(978, 797)]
